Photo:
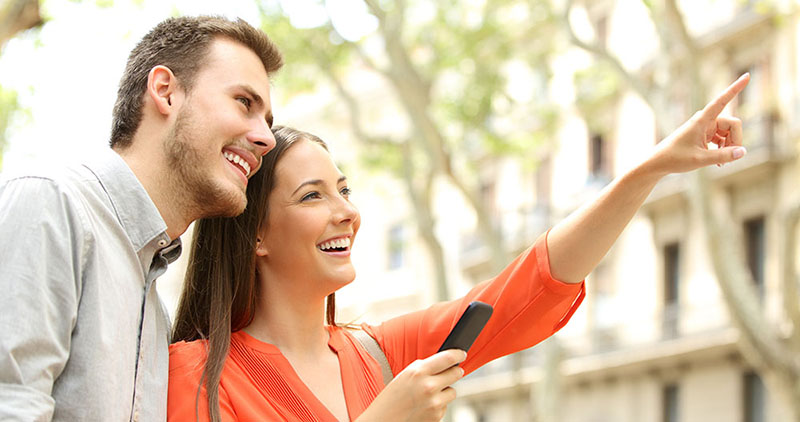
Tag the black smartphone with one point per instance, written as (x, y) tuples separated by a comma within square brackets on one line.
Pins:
[(468, 327)]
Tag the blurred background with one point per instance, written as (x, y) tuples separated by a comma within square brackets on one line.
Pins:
[(466, 129)]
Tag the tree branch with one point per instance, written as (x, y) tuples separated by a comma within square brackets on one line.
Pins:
[(698, 93), (421, 200), (350, 101), (789, 279), (17, 16), (737, 288), (600, 51)]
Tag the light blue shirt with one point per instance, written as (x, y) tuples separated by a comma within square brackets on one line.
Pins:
[(83, 333)]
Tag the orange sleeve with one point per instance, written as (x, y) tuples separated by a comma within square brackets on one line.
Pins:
[(529, 306), (186, 362)]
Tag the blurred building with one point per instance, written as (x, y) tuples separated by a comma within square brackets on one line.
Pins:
[(653, 341)]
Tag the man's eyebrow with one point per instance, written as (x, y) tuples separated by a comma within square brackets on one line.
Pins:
[(316, 182), (260, 101)]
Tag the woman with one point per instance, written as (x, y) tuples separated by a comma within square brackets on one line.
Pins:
[(252, 344)]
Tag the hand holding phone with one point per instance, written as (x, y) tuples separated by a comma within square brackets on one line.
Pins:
[(468, 327)]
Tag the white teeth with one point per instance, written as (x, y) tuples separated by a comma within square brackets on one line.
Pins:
[(337, 243), (238, 160)]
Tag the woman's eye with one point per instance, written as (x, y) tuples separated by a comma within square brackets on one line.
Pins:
[(310, 195), (245, 101), (346, 191)]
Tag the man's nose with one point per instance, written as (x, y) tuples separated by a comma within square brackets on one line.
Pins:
[(262, 139)]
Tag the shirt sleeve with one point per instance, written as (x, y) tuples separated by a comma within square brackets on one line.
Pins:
[(41, 253), (186, 364), (529, 306)]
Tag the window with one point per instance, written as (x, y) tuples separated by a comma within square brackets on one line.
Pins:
[(754, 234), (397, 243), (598, 156), (670, 403), (672, 266), (671, 273), (754, 398)]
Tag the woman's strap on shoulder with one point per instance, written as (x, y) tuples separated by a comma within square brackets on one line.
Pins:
[(374, 349)]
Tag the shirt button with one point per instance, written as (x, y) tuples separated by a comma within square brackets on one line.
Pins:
[(162, 243)]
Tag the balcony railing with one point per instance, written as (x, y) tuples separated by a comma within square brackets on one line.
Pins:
[(671, 324)]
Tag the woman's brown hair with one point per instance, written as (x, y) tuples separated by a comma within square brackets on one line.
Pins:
[(221, 288)]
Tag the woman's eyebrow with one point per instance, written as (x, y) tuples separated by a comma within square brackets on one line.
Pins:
[(306, 183), (317, 182)]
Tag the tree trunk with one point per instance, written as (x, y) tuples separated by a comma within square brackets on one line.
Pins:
[(17, 16)]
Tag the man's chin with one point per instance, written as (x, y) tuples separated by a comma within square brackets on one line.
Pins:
[(227, 205)]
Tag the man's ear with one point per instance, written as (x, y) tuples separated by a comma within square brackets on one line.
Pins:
[(261, 247), (162, 85)]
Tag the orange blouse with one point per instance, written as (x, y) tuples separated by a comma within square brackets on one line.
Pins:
[(258, 383)]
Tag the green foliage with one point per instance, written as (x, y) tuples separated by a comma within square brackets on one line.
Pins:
[(309, 52), (382, 157), (597, 88), (100, 3), (479, 71), (8, 107)]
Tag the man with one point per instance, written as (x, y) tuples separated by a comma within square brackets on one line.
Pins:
[(83, 334)]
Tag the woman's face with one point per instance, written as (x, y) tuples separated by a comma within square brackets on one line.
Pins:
[(312, 223)]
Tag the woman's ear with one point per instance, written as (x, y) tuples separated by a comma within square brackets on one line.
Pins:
[(261, 248)]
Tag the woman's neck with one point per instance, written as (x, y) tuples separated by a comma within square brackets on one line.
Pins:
[(290, 319)]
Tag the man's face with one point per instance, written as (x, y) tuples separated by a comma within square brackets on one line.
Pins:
[(221, 132)]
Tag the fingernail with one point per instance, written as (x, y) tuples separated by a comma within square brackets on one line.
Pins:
[(739, 152)]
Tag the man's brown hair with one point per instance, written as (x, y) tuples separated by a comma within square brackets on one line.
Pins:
[(181, 44)]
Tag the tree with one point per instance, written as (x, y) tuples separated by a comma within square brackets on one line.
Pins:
[(448, 73), (774, 355), (15, 16)]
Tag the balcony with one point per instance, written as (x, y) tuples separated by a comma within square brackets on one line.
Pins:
[(637, 345), (765, 152)]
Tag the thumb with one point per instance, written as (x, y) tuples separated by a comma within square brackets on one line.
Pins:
[(726, 155)]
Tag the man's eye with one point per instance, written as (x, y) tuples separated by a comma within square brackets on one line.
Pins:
[(245, 101)]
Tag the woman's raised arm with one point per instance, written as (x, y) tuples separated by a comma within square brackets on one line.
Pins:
[(578, 243)]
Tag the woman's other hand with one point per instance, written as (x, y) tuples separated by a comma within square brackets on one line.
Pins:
[(420, 392)]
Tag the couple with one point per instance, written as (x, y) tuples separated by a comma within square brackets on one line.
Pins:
[(83, 335)]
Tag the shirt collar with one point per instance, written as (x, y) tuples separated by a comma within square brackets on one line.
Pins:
[(135, 210)]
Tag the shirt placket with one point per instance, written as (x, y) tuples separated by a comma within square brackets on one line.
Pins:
[(158, 267)]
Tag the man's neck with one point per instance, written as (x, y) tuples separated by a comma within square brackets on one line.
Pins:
[(152, 176)]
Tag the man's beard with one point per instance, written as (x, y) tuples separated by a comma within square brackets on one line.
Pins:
[(194, 189)]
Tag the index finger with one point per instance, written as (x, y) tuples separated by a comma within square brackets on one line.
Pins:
[(715, 107), (443, 360)]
